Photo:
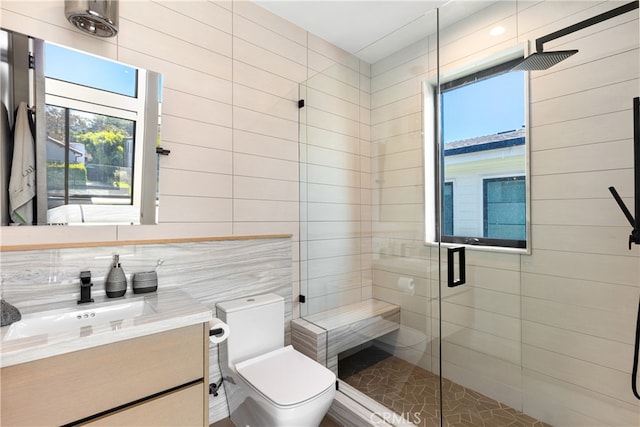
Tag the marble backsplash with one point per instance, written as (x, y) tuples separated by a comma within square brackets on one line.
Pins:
[(210, 272)]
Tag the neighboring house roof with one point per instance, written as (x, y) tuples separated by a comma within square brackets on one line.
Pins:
[(61, 144), (506, 139)]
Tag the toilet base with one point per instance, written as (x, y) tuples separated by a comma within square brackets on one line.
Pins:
[(256, 413), (250, 413)]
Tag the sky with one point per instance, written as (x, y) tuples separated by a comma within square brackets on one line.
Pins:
[(89, 70), (484, 108)]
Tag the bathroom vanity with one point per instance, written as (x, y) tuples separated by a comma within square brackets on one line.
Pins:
[(147, 364)]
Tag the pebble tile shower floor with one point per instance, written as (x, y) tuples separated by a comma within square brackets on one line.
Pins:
[(413, 391)]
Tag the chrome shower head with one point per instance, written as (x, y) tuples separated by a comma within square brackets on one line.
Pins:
[(543, 60)]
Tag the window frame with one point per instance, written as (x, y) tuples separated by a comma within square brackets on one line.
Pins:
[(433, 153)]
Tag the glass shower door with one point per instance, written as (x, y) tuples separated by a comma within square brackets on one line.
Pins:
[(482, 184), (543, 329)]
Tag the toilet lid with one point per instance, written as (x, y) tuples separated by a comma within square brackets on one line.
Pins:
[(285, 376)]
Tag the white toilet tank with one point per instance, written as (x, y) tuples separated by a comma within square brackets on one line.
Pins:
[(256, 326)]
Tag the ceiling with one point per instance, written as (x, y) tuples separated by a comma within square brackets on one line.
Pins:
[(356, 25)]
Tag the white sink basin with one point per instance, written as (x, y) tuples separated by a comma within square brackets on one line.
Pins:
[(62, 326), (79, 319)]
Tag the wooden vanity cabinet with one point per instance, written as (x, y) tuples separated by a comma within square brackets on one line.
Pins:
[(154, 380), (180, 408)]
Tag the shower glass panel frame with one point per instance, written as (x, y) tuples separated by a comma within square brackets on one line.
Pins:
[(365, 273)]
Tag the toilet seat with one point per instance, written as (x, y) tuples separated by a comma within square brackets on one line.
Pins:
[(286, 377)]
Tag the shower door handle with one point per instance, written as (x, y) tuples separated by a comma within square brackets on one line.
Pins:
[(452, 279)]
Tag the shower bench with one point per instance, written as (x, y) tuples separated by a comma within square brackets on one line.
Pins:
[(322, 336)]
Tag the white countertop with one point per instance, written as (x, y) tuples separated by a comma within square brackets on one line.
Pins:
[(170, 309)]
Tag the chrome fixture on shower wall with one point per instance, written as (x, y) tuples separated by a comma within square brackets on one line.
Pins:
[(96, 17), (540, 60)]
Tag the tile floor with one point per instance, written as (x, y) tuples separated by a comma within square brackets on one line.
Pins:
[(226, 422), (413, 392)]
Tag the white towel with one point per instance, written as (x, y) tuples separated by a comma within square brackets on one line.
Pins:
[(22, 183)]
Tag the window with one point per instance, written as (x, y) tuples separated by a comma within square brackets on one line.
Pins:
[(504, 208), (447, 209), (483, 151), (94, 119), (96, 166)]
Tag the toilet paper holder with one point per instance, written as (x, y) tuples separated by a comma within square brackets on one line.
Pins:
[(216, 332)]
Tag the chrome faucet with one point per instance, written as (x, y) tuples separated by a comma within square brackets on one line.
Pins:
[(85, 287)]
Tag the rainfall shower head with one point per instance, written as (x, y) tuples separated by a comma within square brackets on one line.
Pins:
[(543, 60), (96, 17)]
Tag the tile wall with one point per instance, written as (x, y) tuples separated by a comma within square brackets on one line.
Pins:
[(580, 286), (398, 187)]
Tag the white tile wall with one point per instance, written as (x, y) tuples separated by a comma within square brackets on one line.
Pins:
[(200, 134), (336, 214)]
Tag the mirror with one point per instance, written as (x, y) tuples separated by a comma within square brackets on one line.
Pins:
[(95, 126)]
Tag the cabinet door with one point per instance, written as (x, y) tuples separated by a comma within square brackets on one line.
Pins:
[(70, 387), (181, 408)]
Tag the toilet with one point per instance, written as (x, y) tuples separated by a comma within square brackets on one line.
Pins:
[(267, 383)]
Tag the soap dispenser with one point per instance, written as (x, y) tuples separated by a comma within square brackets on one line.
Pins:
[(115, 285)]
